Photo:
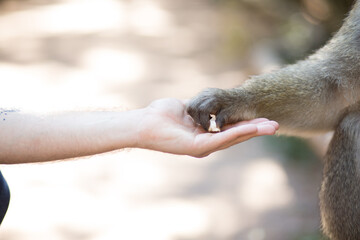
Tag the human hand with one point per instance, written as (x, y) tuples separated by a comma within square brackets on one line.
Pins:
[(166, 127)]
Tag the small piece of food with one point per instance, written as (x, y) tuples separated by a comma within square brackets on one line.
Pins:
[(213, 128)]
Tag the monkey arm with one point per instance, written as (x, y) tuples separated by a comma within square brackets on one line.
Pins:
[(297, 97), (308, 96), (304, 97)]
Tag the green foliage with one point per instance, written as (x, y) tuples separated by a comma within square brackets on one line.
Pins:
[(316, 236), (295, 27), (296, 150)]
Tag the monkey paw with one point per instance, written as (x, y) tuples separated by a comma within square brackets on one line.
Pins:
[(214, 101)]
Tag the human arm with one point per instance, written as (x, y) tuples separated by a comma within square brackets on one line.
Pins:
[(162, 126)]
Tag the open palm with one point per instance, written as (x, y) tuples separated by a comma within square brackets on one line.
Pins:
[(167, 127)]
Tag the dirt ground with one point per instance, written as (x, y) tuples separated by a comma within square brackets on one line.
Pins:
[(104, 54)]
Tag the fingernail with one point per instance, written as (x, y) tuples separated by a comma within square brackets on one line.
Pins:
[(273, 123), (266, 129)]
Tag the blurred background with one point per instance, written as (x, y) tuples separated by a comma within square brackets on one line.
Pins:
[(103, 54)]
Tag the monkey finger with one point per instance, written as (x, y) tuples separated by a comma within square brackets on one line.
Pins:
[(205, 120)]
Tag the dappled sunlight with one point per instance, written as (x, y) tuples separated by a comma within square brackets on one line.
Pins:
[(264, 186), (67, 17), (130, 195), (109, 196), (28, 88), (149, 19), (82, 17), (113, 66), (168, 219)]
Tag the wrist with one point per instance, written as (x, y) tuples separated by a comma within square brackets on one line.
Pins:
[(128, 131), (142, 128)]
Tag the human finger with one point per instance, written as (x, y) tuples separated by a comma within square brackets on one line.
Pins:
[(265, 128), (253, 121), (210, 141), (229, 144), (262, 128)]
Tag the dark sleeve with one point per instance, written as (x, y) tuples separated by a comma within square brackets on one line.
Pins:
[(4, 197)]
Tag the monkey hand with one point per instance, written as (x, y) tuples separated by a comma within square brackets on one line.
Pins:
[(227, 105)]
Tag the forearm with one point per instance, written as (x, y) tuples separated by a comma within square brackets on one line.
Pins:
[(33, 138), (299, 97), (162, 126)]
